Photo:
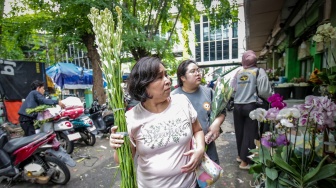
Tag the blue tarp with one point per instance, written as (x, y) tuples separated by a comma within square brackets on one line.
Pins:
[(70, 76)]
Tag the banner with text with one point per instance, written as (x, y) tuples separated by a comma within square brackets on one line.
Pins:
[(16, 77)]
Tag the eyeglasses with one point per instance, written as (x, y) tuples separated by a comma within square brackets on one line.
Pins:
[(195, 71)]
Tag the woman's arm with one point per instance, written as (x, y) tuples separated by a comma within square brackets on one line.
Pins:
[(198, 152), (199, 136)]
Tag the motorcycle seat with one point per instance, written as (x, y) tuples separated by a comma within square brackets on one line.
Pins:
[(17, 143)]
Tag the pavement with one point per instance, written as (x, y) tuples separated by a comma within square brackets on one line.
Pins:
[(96, 168)]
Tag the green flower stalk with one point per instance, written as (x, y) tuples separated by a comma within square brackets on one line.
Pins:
[(222, 95), (108, 41)]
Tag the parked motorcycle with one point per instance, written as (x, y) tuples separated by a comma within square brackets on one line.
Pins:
[(102, 118), (37, 158), (64, 132), (85, 127)]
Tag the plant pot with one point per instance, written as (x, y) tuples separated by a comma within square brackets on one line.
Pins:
[(285, 92), (316, 91), (300, 92)]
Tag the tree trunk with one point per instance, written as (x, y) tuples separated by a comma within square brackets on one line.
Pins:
[(139, 52), (98, 88), (2, 8)]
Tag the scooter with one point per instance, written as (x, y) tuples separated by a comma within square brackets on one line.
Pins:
[(102, 118), (64, 132), (37, 158), (85, 127)]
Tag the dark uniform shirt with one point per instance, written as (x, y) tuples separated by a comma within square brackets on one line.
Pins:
[(33, 100)]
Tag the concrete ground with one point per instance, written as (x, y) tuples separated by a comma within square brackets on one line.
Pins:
[(227, 150), (101, 171)]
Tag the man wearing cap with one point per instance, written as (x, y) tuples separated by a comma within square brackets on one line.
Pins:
[(245, 83)]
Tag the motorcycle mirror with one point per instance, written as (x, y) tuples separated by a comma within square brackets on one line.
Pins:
[(86, 111)]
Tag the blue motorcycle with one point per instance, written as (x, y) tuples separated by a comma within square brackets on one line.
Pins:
[(85, 127)]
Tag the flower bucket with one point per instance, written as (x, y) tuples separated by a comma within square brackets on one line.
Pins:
[(300, 92), (284, 91)]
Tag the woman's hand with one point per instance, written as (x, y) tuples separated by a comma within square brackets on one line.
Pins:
[(213, 133), (195, 160), (116, 140), (214, 129)]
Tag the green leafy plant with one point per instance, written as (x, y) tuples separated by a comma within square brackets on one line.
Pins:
[(297, 80), (222, 95)]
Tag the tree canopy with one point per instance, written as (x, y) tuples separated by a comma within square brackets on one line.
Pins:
[(150, 28)]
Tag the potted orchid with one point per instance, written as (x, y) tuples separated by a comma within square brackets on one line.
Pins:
[(291, 153), (325, 34)]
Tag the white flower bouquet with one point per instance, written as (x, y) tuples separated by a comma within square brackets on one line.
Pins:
[(325, 33), (222, 95), (108, 41)]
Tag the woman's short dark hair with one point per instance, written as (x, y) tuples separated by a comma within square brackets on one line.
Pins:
[(36, 84), (182, 69), (144, 72)]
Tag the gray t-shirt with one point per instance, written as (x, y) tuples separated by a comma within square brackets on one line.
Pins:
[(245, 83), (201, 101)]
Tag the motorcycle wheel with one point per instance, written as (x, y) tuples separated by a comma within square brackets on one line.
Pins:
[(91, 138), (66, 143), (62, 173)]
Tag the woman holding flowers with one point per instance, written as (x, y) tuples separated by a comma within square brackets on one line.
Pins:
[(189, 80), (245, 84), (161, 128)]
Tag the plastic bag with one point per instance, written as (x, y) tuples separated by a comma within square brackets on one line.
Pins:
[(49, 113), (72, 102), (208, 172)]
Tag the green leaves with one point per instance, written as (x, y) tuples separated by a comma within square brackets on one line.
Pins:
[(287, 168), (221, 97), (322, 174), (272, 173)]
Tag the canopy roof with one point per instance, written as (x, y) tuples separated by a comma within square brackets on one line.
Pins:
[(70, 76)]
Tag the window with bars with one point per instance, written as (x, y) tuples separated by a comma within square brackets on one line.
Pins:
[(215, 43), (306, 68)]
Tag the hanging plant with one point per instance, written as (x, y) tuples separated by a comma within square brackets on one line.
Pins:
[(108, 41)]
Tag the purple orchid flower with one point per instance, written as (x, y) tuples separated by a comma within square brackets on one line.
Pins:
[(281, 140), (278, 104), (267, 140), (275, 97)]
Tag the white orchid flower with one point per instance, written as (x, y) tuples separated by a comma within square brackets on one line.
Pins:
[(258, 114), (286, 113), (286, 123)]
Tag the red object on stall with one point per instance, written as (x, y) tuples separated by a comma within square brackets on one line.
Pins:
[(72, 113), (12, 108)]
